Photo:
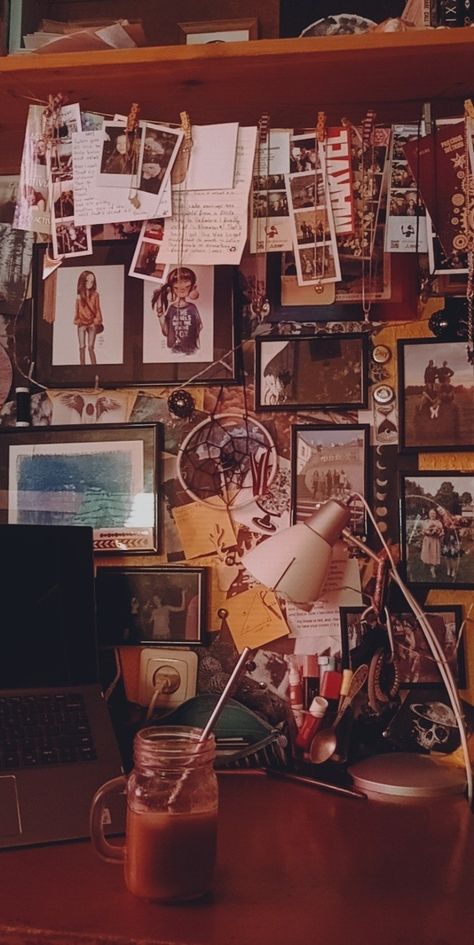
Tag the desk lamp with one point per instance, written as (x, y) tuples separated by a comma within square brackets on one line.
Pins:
[(295, 563)]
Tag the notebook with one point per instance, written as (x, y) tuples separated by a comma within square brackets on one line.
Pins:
[(57, 743)]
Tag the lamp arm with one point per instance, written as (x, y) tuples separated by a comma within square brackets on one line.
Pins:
[(357, 543), (430, 636)]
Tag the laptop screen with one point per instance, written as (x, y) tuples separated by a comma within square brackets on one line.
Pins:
[(47, 606)]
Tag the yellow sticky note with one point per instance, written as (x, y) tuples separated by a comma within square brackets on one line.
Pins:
[(255, 618), (202, 529)]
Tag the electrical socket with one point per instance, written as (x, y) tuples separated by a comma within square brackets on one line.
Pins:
[(184, 663)]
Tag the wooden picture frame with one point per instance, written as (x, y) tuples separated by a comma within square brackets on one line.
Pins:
[(124, 351), (151, 606), (436, 394), (329, 461), (437, 528), (224, 31), (103, 475), (311, 372), (415, 665)]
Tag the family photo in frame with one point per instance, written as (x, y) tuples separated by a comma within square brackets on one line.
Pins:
[(102, 476), (437, 528), (97, 324), (436, 387), (413, 659), (307, 371), (329, 462), (150, 605)]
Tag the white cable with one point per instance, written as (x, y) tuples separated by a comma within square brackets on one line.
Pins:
[(435, 647), (118, 672), (159, 689)]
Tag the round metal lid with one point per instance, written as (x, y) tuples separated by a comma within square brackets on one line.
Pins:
[(407, 774)]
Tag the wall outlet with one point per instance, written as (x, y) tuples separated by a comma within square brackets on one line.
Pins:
[(180, 669)]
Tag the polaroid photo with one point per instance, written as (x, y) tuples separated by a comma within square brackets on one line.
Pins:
[(145, 263), (120, 156), (70, 240), (159, 152), (62, 200)]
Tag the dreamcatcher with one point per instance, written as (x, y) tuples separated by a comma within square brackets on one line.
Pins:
[(229, 459)]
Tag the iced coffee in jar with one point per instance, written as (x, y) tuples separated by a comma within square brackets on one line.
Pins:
[(172, 801)]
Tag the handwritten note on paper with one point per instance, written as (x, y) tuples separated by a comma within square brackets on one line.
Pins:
[(111, 204), (255, 618), (197, 523), (318, 630), (210, 227)]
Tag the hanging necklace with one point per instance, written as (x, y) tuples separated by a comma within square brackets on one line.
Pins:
[(133, 140), (367, 185), (469, 227), (259, 303), (320, 199)]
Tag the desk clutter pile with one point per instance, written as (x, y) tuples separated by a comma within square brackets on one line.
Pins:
[(230, 326)]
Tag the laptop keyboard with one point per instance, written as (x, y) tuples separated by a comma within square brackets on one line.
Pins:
[(39, 730)]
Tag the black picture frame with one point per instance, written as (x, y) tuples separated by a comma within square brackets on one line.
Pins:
[(437, 528), (125, 303), (128, 615), (338, 472), (311, 372), (435, 414), (415, 665), (101, 475)]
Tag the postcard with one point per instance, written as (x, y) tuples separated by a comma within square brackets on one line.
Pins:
[(212, 158)]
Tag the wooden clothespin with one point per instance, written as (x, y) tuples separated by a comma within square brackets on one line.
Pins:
[(468, 108), (51, 114), (263, 128), (133, 118), (427, 119), (180, 167), (321, 127)]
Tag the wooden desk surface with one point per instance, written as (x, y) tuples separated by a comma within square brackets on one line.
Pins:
[(295, 865)]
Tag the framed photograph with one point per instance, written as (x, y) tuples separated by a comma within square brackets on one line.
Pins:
[(436, 386), (437, 528), (103, 476), (97, 325), (218, 31), (150, 605), (415, 664), (311, 372), (329, 462)]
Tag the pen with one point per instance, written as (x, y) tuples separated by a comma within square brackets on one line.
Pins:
[(324, 785)]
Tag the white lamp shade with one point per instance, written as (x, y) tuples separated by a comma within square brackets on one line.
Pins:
[(295, 562)]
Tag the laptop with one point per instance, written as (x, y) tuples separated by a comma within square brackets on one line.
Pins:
[(57, 743)]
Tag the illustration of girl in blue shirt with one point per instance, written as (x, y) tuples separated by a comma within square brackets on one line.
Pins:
[(179, 317)]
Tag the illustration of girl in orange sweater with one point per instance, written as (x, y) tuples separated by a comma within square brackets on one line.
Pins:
[(88, 315)]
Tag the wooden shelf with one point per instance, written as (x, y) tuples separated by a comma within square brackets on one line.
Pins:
[(291, 78)]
